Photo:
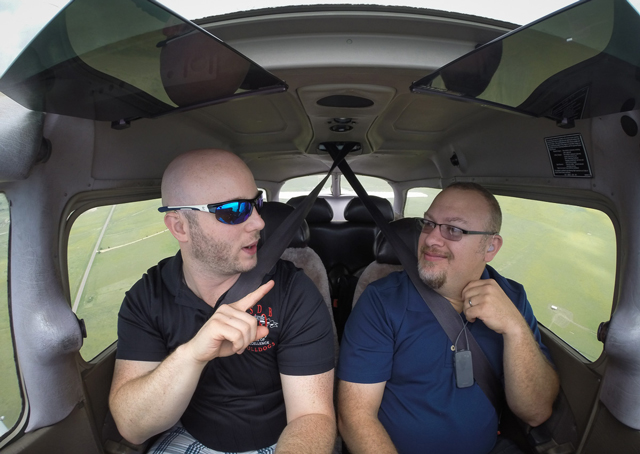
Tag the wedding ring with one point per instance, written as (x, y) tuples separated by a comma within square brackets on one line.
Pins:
[(470, 305)]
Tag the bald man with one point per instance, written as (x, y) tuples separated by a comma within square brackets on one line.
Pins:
[(255, 375)]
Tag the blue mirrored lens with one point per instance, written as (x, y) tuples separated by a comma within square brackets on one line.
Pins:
[(234, 212)]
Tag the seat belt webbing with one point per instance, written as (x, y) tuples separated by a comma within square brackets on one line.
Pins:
[(275, 245)]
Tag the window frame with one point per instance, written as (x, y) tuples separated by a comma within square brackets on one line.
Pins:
[(18, 427)]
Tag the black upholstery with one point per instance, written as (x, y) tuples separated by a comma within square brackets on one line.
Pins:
[(345, 248), (348, 244), (355, 211), (408, 229), (273, 213), (320, 210)]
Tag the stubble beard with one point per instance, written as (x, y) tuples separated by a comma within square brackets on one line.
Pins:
[(434, 279), (216, 256)]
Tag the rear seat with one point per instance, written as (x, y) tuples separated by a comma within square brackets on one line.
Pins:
[(386, 262), (345, 248)]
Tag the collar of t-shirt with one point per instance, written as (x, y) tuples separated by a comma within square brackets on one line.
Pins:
[(172, 277)]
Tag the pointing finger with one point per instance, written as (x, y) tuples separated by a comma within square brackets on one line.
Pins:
[(252, 298)]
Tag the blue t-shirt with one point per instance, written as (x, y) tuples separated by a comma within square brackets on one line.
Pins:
[(393, 336)]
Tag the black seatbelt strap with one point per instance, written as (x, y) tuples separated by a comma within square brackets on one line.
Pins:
[(442, 309), (275, 245)]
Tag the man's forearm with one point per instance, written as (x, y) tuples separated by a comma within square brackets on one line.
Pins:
[(154, 402), (531, 384), (365, 435), (313, 434)]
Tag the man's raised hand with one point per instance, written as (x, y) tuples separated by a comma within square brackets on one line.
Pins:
[(491, 305), (230, 329)]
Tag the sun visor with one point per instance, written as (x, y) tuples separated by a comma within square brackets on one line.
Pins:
[(581, 62), (120, 60)]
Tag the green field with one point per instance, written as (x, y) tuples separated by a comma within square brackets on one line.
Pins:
[(135, 238), (565, 256)]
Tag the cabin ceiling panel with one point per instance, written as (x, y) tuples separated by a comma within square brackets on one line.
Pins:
[(144, 150), (416, 165), (428, 114), (263, 123)]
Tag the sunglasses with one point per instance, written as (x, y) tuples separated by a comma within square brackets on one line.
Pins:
[(449, 232), (232, 212)]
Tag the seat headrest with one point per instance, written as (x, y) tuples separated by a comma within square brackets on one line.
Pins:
[(273, 213), (408, 229), (320, 210), (355, 211)]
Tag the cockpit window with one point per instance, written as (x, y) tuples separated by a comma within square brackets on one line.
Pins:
[(120, 60), (109, 249), (10, 396), (373, 186), (418, 201), (578, 63), (565, 256), (302, 186)]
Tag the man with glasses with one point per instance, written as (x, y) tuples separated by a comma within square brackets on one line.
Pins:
[(238, 377), (398, 391)]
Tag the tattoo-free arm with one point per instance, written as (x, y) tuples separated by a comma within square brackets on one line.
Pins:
[(311, 422), (147, 398), (358, 405), (531, 384)]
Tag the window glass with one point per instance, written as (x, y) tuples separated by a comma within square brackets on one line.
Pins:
[(10, 396), (418, 201), (303, 186), (565, 256), (373, 186), (110, 248)]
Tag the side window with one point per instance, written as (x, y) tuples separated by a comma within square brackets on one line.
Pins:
[(10, 395), (565, 256), (418, 201), (303, 186), (373, 186), (109, 249)]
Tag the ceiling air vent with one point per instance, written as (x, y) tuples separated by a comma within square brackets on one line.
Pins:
[(345, 101)]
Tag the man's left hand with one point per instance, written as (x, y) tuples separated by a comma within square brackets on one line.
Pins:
[(484, 299)]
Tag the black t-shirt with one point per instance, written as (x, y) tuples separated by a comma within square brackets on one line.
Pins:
[(238, 404)]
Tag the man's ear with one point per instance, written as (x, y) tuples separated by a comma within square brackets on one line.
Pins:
[(177, 225), (492, 248)]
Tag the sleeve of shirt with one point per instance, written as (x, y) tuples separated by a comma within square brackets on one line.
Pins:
[(366, 350), (138, 338), (306, 342)]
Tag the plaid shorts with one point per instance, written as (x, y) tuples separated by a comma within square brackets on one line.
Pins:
[(178, 441)]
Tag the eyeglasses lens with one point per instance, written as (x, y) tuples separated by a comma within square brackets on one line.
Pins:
[(237, 212), (447, 231), (233, 212)]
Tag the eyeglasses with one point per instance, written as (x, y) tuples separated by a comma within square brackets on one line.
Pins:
[(232, 212), (449, 232)]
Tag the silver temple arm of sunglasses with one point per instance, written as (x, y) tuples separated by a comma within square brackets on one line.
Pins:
[(185, 207)]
